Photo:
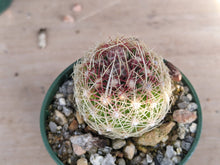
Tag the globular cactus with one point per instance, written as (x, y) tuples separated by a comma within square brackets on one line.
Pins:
[(122, 88)]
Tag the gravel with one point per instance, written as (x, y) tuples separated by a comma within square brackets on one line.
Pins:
[(192, 106), (53, 127), (76, 143), (186, 145)]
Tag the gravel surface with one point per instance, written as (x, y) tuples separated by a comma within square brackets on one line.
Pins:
[(76, 143)]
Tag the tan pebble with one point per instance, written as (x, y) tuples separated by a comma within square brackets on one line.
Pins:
[(73, 126), (184, 116), (61, 119), (69, 161), (79, 118), (155, 136), (78, 150), (68, 19), (142, 149), (77, 8), (82, 161), (129, 151)]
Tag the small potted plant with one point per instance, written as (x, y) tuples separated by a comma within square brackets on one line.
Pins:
[(121, 104)]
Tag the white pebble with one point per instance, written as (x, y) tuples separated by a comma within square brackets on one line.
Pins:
[(189, 96), (42, 38), (193, 127), (66, 111), (176, 159), (62, 101), (177, 144), (58, 95), (149, 158), (96, 159), (109, 160)]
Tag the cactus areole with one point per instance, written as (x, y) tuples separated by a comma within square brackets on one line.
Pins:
[(122, 89)]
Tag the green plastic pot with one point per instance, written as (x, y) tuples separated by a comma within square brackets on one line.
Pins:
[(4, 4), (65, 75)]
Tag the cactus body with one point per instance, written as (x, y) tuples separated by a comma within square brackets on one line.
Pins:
[(122, 89)]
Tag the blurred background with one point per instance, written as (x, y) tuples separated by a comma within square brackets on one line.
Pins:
[(39, 39)]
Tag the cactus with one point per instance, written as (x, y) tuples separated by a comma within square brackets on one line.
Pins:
[(122, 89)]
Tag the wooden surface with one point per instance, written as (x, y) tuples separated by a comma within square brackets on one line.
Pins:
[(185, 32)]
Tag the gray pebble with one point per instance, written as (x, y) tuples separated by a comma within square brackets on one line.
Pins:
[(53, 127), (186, 145), (142, 154), (121, 161), (69, 89), (136, 160), (192, 106), (100, 152), (184, 99), (106, 149), (59, 107), (186, 89), (66, 135), (93, 150), (77, 133), (74, 158), (166, 161), (144, 162), (182, 105), (119, 143), (63, 90), (159, 157), (68, 103), (65, 127), (170, 152), (81, 126), (189, 139)]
